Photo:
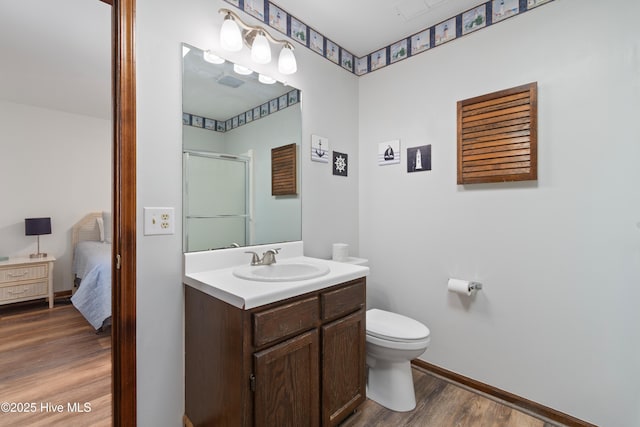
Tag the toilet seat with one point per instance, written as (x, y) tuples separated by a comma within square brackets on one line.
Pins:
[(395, 327)]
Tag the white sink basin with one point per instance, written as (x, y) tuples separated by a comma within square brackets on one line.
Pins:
[(281, 272)]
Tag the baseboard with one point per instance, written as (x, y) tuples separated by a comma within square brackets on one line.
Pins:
[(62, 294), (511, 398)]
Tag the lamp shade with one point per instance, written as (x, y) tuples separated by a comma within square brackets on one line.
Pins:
[(212, 58), (230, 37), (266, 79), (37, 226), (287, 61), (260, 50)]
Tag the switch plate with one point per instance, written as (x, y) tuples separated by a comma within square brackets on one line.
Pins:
[(159, 221)]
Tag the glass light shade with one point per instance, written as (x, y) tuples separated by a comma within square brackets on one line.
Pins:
[(230, 36), (260, 49), (239, 69), (287, 61), (212, 58), (266, 79)]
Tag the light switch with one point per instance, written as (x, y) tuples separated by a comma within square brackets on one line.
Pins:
[(159, 221)]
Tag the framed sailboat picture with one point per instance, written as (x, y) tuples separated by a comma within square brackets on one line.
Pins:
[(389, 152)]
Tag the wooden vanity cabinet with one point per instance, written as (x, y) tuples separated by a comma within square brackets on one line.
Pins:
[(297, 362)]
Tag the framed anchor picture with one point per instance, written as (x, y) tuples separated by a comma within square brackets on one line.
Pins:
[(319, 149)]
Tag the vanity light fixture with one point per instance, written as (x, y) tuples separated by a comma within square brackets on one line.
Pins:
[(257, 39)]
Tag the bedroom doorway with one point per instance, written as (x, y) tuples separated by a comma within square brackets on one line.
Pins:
[(74, 125)]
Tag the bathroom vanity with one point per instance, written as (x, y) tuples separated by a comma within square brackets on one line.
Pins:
[(273, 353)]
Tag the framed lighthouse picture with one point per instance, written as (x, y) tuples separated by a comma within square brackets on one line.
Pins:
[(419, 158)]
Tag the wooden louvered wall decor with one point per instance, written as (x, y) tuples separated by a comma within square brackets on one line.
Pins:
[(283, 170), (497, 136)]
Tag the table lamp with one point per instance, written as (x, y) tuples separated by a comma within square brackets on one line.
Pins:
[(37, 227)]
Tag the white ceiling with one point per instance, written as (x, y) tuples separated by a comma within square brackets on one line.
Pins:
[(57, 54), (201, 77)]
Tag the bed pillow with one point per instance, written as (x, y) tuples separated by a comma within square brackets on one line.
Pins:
[(100, 223), (106, 219)]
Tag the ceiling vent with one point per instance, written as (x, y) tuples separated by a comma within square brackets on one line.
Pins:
[(230, 81)]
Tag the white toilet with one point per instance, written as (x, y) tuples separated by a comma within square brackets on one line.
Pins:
[(393, 341)]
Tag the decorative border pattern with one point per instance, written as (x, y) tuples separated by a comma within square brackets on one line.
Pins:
[(477, 18), (270, 107)]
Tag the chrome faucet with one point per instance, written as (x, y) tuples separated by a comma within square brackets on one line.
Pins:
[(268, 257)]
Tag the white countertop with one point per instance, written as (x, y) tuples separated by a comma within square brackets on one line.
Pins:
[(220, 282)]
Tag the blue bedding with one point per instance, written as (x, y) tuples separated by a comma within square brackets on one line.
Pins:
[(92, 263)]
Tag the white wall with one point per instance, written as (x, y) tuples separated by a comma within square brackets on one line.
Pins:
[(53, 164), (275, 218), (201, 139), (557, 321), (330, 204)]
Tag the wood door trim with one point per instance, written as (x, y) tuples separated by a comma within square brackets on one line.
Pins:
[(124, 214)]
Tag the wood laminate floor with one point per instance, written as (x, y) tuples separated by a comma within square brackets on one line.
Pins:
[(54, 368), (52, 363), (441, 403)]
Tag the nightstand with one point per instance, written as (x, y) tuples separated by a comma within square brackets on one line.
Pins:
[(24, 279)]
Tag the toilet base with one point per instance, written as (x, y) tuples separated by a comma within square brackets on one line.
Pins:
[(391, 385)]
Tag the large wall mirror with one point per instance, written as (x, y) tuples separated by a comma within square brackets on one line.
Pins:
[(231, 122)]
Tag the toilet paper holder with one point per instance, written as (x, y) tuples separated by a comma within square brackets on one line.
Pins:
[(475, 286)]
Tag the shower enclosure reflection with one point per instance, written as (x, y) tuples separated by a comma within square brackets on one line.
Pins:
[(231, 123)]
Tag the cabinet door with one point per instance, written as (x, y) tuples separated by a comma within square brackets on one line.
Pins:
[(287, 383), (343, 367)]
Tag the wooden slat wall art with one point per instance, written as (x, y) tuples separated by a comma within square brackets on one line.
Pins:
[(283, 170), (497, 136)]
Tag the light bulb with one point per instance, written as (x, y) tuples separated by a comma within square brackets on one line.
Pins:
[(230, 37), (260, 50), (287, 61)]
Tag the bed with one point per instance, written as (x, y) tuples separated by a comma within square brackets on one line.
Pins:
[(92, 270)]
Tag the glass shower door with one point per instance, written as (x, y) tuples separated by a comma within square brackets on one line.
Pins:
[(216, 201)]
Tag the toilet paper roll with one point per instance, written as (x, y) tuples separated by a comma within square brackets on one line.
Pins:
[(340, 252), (458, 286)]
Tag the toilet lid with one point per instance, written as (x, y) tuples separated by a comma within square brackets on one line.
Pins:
[(394, 327)]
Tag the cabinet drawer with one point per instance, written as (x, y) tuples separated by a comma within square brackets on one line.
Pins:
[(343, 301), (285, 320), (11, 293), (19, 274)]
